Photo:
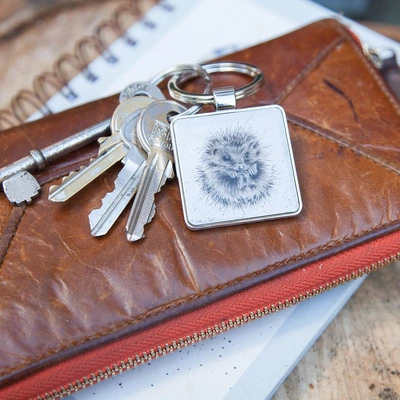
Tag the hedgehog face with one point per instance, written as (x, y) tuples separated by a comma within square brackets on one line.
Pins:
[(234, 169), (238, 166)]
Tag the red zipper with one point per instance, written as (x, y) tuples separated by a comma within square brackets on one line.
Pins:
[(93, 366)]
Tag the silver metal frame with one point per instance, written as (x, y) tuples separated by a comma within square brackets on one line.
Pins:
[(218, 223)]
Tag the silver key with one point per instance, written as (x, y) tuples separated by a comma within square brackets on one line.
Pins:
[(112, 149), (20, 186), (38, 159), (154, 136), (102, 219)]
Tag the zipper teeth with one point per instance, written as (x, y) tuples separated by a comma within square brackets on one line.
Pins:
[(108, 372)]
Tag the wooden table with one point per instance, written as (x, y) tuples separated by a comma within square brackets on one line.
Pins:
[(358, 356)]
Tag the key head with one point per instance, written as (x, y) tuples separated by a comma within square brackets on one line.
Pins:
[(127, 110), (141, 88), (21, 188), (128, 129), (153, 125)]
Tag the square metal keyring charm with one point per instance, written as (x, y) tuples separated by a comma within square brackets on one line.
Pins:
[(235, 166)]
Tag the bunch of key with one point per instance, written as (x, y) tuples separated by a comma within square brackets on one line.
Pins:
[(139, 138)]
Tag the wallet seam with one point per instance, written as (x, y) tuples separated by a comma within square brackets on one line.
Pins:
[(302, 75), (189, 299), (12, 231), (317, 130)]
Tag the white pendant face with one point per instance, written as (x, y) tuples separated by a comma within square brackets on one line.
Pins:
[(235, 166)]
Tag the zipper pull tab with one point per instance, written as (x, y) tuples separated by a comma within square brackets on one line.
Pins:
[(384, 59)]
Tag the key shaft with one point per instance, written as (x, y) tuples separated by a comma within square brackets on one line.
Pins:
[(76, 181), (126, 184), (154, 136), (144, 204)]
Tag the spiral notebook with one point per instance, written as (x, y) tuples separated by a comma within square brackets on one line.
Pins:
[(251, 361)]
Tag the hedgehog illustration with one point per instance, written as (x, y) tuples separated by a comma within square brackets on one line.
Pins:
[(234, 170)]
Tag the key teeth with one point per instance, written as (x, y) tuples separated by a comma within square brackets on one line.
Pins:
[(70, 175), (100, 140), (77, 180), (152, 213), (82, 167), (54, 188), (99, 218), (66, 178), (96, 215)]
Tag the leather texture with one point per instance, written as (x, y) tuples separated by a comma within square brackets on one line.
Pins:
[(63, 291)]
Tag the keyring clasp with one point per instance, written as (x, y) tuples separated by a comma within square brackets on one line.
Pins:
[(190, 71), (236, 67)]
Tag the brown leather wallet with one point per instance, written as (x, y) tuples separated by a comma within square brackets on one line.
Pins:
[(74, 309)]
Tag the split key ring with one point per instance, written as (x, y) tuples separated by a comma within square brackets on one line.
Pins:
[(235, 67)]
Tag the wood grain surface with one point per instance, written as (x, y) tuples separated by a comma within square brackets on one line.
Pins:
[(358, 356)]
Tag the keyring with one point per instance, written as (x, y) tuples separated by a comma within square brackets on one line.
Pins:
[(190, 71), (240, 68), (234, 165)]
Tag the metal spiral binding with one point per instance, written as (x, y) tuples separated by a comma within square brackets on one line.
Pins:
[(25, 102)]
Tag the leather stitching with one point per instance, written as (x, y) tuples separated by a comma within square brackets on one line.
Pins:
[(320, 132), (4, 249), (10, 235), (307, 70)]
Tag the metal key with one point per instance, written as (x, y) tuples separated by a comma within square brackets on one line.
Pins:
[(112, 149), (154, 136), (102, 219), (23, 186)]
